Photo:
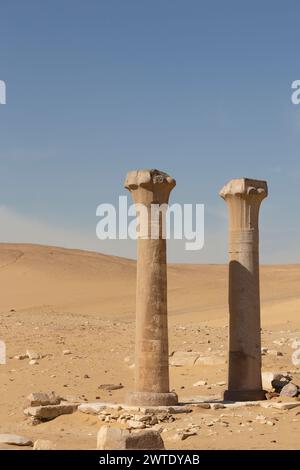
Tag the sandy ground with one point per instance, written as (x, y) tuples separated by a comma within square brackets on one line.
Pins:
[(53, 299)]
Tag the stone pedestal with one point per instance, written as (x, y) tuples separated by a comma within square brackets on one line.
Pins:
[(243, 197), (149, 188)]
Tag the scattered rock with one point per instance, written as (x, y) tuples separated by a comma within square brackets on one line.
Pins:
[(48, 412), (289, 390), (66, 352), (32, 355), (109, 438), (185, 434), (44, 444), (269, 377), (217, 406), (296, 344), (15, 440), (33, 362), (110, 387), (42, 399), (112, 438), (21, 357), (132, 424)]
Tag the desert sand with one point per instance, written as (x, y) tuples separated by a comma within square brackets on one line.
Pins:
[(56, 299)]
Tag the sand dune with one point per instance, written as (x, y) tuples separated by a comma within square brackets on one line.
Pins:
[(51, 278), (54, 299)]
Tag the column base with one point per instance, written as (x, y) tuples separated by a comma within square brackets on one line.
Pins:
[(244, 395), (152, 399)]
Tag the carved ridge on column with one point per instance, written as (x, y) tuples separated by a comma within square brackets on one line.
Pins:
[(148, 178), (244, 187)]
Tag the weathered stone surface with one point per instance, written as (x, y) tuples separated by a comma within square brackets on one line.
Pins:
[(15, 440), (289, 390), (145, 440), (132, 424), (268, 378), (33, 355), (109, 438), (41, 399), (243, 197), (168, 409), (92, 408), (150, 188), (44, 444), (48, 412), (96, 408), (280, 406), (217, 406)]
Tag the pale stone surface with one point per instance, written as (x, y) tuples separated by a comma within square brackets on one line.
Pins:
[(109, 438), (33, 355), (92, 408), (14, 439), (132, 424), (44, 444), (149, 189), (243, 197), (48, 412), (289, 390), (269, 377), (41, 399), (210, 361), (280, 406)]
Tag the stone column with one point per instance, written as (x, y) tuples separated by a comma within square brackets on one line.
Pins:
[(149, 188), (243, 197)]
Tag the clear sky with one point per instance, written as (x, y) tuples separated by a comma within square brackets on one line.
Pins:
[(198, 88)]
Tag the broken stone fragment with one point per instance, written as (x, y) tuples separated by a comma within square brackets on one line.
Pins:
[(109, 438), (289, 390), (32, 355), (48, 412), (274, 380), (13, 439), (44, 444), (110, 387), (42, 399)]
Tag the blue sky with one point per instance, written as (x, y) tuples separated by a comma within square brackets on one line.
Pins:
[(200, 89)]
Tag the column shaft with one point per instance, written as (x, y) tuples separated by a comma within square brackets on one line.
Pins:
[(244, 371)]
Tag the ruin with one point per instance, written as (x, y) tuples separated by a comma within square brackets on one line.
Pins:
[(149, 188), (243, 197)]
